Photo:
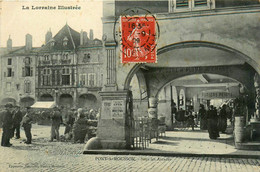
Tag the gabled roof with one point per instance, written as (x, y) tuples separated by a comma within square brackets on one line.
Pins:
[(72, 36)]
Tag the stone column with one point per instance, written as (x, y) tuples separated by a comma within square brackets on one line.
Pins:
[(111, 66), (114, 122)]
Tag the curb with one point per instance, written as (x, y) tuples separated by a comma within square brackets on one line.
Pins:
[(168, 154)]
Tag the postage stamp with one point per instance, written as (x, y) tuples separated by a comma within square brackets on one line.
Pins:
[(138, 39)]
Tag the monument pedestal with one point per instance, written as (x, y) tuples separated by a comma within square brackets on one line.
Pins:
[(114, 124)]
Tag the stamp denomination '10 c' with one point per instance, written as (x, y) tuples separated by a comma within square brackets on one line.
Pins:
[(138, 39)]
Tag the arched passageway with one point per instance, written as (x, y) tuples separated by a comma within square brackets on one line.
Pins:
[(26, 102), (8, 100), (46, 97), (66, 100), (199, 74), (88, 101)]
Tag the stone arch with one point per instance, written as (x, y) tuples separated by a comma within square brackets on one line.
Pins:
[(187, 44), (88, 101), (66, 100), (26, 101), (46, 97), (8, 100)]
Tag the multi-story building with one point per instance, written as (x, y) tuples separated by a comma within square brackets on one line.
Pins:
[(214, 39), (18, 73), (69, 69)]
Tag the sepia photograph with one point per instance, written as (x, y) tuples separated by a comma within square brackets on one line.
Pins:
[(129, 85)]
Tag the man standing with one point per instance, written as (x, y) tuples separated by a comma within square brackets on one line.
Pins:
[(56, 119), (7, 123), (17, 118), (27, 125)]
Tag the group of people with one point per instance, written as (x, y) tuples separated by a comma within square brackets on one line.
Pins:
[(214, 121), (12, 119), (75, 121)]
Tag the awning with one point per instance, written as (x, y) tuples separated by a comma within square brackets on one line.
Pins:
[(43, 105)]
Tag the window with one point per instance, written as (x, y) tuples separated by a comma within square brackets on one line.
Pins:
[(82, 79), (65, 76), (27, 61), (46, 77), (8, 86), (18, 86), (86, 58), (190, 5), (91, 79), (200, 3), (65, 79), (46, 57), (27, 86), (27, 71), (10, 72), (9, 62)]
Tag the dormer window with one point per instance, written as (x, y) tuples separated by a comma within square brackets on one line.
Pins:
[(52, 42), (86, 58), (46, 57), (65, 41), (27, 61)]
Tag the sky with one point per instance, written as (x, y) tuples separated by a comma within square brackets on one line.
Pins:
[(17, 22)]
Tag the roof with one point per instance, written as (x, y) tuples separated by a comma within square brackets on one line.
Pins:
[(43, 105), (20, 50), (72, 36)]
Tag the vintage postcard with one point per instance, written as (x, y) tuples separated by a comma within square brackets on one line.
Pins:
[(129, 85)]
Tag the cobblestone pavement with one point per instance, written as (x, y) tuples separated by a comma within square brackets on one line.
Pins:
[(64, 156)]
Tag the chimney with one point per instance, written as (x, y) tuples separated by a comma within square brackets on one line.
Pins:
[(85, 38), (9, 44), (48, 36), (28, 42), (81, 38), (91, 34)]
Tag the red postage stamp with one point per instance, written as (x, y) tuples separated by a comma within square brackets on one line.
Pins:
[(138, 39)]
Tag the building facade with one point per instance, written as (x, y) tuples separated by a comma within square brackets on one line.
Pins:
[(67, 69), (18, 68)]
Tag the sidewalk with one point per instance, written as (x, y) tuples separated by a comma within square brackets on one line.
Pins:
[(188, 143)]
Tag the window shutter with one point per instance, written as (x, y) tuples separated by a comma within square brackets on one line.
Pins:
[(29, 87), (73, 77), (23, 72), (31, 71), (12, 73), (89, 78), (95, 79), (86, 79), (4, 74)]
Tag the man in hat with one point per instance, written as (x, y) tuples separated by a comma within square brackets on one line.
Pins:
[(56, 119), (7, 123), (17, 118), (27, 125)]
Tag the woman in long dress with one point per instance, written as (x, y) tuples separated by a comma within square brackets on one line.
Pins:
[(212, 123)]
